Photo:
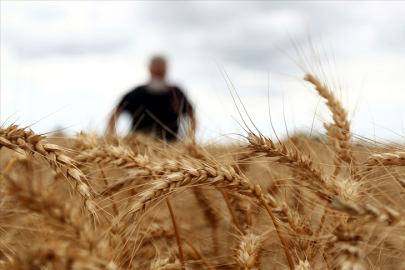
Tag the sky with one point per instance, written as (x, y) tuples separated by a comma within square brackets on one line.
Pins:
[(65, 65)]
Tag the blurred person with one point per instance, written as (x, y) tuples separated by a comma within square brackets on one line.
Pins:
[(156, 107)]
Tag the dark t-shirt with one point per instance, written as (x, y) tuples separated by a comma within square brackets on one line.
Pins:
[(146, 107)]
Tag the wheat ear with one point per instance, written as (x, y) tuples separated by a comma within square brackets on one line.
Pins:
[(379, 214), (348, 247), (21, 140), (386, 159), (340, 131), (247, 251), (165, 263), (226, 178), (43, 202), (294, 159)]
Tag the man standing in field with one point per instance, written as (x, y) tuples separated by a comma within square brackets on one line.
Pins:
[(156, 108)]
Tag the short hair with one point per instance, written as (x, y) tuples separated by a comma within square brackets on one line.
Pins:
[(158, 60)]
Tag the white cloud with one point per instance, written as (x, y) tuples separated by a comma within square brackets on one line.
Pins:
[(86, 55), (37, 29)]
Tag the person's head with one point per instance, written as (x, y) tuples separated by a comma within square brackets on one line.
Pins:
[(157, 67)]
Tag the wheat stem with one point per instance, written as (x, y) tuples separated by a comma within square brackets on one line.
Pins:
[(176, 230), (321, 222), (235, 221), (114, 206), (280, 235), (199, 254)]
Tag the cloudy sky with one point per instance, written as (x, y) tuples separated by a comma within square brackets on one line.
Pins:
[(67, 64)]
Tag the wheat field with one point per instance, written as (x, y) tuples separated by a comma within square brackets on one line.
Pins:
[(107, 202)]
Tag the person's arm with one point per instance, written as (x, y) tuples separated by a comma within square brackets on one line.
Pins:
[(193, 124), (190, 112), (112, 122), (122, 105), (182, 102)]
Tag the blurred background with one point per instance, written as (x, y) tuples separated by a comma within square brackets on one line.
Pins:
[(65, 65)]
